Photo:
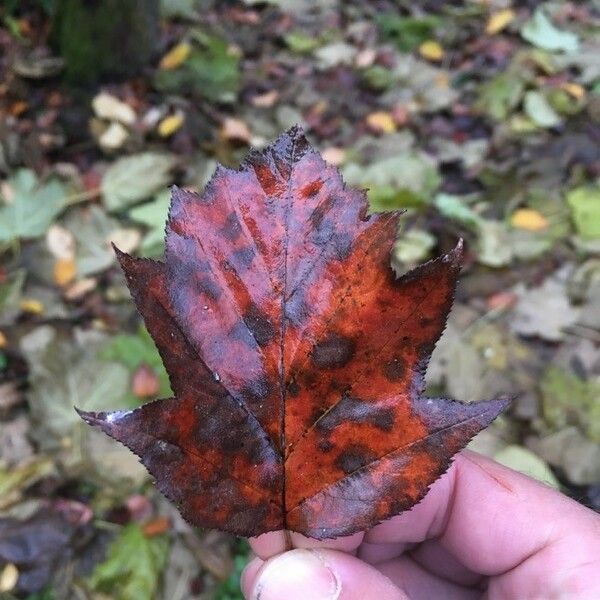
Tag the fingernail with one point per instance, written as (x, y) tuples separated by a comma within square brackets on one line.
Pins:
[(297, 575)]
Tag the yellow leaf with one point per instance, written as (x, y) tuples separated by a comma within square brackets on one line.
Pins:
[(29, 305), (381, 122), (431, 50), (64, 271), (169, 125), (3, 340), (499, 20), (175, 56), (574, 89), (529, 219)]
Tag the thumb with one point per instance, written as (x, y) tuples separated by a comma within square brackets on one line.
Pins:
[(316, 574)]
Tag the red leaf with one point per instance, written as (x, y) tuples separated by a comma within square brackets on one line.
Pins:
[(295, 356)]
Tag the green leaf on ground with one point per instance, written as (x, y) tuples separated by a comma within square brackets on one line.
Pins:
[(134, 178), (585, 210), (407, 33), (542, 33), (133, 350), (539, 110), (153, 215), (212, 70), (301, 43), (230, 588), (525, 461), (493, 243), (92, 228), (456, 209), (500, 95), (133, 565), (64, 375), (413, 246), (569, 400), (406, 180), (28, 206)]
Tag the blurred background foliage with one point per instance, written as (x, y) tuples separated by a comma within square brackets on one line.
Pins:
[(480, 118)]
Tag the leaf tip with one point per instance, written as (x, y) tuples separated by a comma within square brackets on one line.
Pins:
[(494, 407), (91, 418), (456, 255)]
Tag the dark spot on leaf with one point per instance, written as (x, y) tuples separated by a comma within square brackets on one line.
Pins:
[(333, 352), (208, 287), (320, 211), (343, 245), (325, 445), (243, 256), (353, 458), (359, 411), (261, 328), (395, 370), (232, 229)]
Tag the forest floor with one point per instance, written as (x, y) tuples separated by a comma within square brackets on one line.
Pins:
[(481, 120)]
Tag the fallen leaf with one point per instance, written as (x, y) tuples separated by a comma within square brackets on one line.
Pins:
[(543, 311), (28, 206), (539, 110), (584, 203), (133, 565), (574, 89), (113, 137), (499, 20), (493, 243), (106, 106), (124, 237), (80, 288), (153, 215), (235, 130), (295, 356), (145, 382), (337, 53), (408, 33), (528, 219), (156, 526), (175, 56), (431, 50), (414, 246), (169, 125), (38, 546), (569, 450), (525, 461), (570, 400), (60, 242), (134, 351), (405, 180), (381, 122), (541, 32), (265, 100), (65, 270), (8, 578), (92, 229), (32, 306), (211, 69), (334, 156), (135, 178)]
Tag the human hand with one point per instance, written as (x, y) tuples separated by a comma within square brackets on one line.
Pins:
[(483, 530)]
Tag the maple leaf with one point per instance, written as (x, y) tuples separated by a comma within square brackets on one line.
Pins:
[(296, 357)]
